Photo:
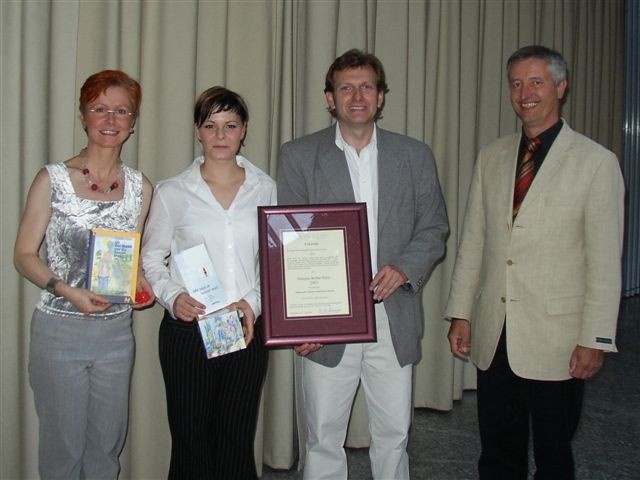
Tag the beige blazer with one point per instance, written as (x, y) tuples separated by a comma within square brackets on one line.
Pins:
[(554, 273)]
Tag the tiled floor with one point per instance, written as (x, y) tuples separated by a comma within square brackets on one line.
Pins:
[(445, 446)]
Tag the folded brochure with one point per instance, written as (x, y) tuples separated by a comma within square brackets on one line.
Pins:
[(220, 327), (200, 279)]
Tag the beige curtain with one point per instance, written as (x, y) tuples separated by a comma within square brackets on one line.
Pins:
[(445, 62)]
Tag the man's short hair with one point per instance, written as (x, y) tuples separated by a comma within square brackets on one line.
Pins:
[(355, 58), (555, 61)]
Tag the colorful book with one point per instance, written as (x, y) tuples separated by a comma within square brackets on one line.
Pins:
[(221, 332), (112, 264), (220, 327)]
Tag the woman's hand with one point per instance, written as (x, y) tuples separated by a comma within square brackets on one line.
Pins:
[(144, 294), (247, 318), (84, 300), (187, 308)]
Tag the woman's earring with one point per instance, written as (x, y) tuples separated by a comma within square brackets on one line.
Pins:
[(131, 131)]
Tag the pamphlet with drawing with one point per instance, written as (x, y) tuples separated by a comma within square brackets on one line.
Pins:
[(220, 327)]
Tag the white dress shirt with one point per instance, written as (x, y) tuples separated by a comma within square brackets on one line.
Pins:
[(185, 213), (363, 170)]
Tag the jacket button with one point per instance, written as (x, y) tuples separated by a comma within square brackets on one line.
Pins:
[(503, 300), (509, 262)]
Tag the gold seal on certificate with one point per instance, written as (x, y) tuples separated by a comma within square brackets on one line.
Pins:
[(315, 271)]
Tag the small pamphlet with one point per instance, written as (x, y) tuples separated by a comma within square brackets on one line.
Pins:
[(220, 327), (221, 332), (200, 279), (112, 264)]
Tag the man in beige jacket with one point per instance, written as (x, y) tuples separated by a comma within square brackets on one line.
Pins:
[(536, 286)]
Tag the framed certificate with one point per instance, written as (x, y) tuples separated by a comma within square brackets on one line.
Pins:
[(315, 270)]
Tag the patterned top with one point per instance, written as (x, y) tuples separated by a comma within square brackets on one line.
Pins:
[(67, 236)]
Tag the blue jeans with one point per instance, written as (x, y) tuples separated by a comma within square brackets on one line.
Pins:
[(80, 373)]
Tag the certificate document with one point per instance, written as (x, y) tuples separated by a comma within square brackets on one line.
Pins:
[(200, 279), (315, 273)]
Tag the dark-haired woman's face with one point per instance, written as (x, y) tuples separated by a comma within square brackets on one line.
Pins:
[(221, 135)]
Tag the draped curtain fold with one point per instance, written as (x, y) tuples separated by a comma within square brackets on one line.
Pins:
[(445, 66)]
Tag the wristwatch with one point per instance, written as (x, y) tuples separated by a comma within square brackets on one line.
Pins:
[(51, 285)]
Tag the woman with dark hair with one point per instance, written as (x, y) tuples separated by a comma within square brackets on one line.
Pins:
[(81, 350), (212, 404)]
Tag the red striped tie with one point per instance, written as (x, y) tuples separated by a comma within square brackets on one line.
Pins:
[(524, 174)]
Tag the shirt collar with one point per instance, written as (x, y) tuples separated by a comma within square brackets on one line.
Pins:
[(548, 136), (251, 176), (341, 142)]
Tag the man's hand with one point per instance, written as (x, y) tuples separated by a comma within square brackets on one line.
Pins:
[(460, 337), (585, 362), (386, 282), (306, 348)]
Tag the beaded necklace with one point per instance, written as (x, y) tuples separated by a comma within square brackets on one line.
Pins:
[(94, 186)]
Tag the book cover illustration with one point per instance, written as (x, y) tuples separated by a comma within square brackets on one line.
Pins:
[(221, 332), (112, 264), (220, 328), (200, 279)]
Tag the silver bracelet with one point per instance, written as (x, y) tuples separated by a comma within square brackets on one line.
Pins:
[(51, 285)]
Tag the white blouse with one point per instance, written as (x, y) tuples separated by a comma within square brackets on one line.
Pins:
[(184, 213)]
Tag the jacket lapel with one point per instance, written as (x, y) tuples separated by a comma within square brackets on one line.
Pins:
[(549, 168), (506, 173), (390, 172)]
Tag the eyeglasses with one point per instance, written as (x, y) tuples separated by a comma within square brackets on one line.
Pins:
[(120, 113)]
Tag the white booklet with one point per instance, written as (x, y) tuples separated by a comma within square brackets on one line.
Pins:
[(220, 328), (199, 276)]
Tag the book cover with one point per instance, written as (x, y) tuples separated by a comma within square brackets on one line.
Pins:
[(200, 278), (221, 332), (112, 264)]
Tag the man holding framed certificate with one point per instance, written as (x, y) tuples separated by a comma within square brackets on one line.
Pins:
[(355, 161)]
